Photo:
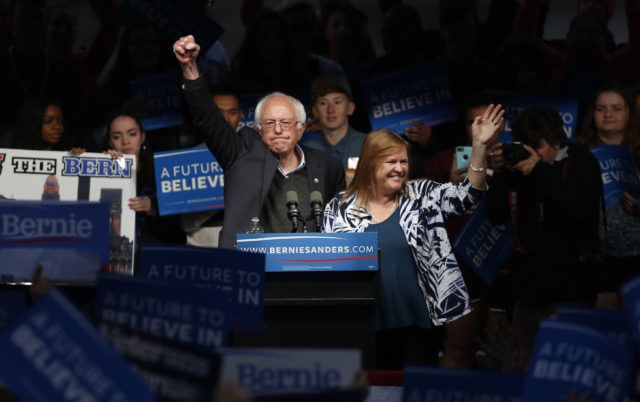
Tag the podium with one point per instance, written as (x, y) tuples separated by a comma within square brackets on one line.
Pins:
[(317, 309)]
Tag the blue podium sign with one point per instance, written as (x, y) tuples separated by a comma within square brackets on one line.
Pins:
[(514, 103), (314, 251), (485, 247), (421, 92), (619, 172), (423, 383), (188, 180), (571, 357), (163, 100), (53, 354), (236, 276), (70, 240), (173, 311)]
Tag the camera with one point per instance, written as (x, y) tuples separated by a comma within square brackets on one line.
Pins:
[(514, 153)]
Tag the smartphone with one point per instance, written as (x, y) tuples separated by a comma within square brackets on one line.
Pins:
[(463, 158)]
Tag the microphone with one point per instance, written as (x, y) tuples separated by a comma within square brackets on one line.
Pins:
[(293, 213), (316, 208)]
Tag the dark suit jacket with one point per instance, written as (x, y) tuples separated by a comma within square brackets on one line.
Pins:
[(248, 164)]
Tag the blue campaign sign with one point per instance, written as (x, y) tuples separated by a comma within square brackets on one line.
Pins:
[(188, 180), (314, 251), (631, 293), (13, 302), (619, 172), (423, 383), (261, 371), (421, 92), (175, 371), (54, 354), (514, 103), (173, 311), (163, 100), (172, 18), (238, 276), (485, 247), (570, 358), (612, 322), (69, 239)]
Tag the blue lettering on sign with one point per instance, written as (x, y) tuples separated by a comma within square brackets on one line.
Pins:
[(14, 226), (96, 167), (269, 379)]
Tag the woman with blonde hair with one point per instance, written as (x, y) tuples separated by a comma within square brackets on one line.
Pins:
[(420, 283)]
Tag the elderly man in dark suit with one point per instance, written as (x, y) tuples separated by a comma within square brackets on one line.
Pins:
[(260, 168)]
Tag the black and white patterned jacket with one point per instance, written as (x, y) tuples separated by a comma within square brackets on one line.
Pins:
[(422, 216)]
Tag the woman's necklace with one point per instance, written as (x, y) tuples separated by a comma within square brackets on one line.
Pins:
[(21, 83), (393, 208)]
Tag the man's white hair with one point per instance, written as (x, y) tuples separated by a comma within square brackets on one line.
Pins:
[(298, 107)]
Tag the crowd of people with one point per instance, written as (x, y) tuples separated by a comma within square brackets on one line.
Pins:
[(432, 307)]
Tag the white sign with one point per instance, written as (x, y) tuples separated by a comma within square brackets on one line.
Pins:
[(274, 370), (60, 176)]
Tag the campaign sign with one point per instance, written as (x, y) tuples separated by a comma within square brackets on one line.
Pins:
[(13, 302), (514, 103), (277, 370), (485, 247), (188, 180), (163, 100), (59, 176), (314, 251), (421, 92), (173, 311), (423, 383), (631, 294), (173, 370), (237, 276), (611, 322), (173, 18), (570, 358), (619, 172), (249, 102), (52, 353), (70, 240)]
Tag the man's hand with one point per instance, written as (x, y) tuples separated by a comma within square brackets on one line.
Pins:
[(526, 166), (186, 51), (142, 204), (630, 205), (418, 132), (495, 153)]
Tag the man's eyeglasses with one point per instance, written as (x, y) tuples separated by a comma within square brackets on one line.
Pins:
[(285, 125)]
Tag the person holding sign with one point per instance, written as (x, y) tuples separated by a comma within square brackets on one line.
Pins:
[(409, 218), (124, 135), (551, 198), (612, 119), (260, 168)]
